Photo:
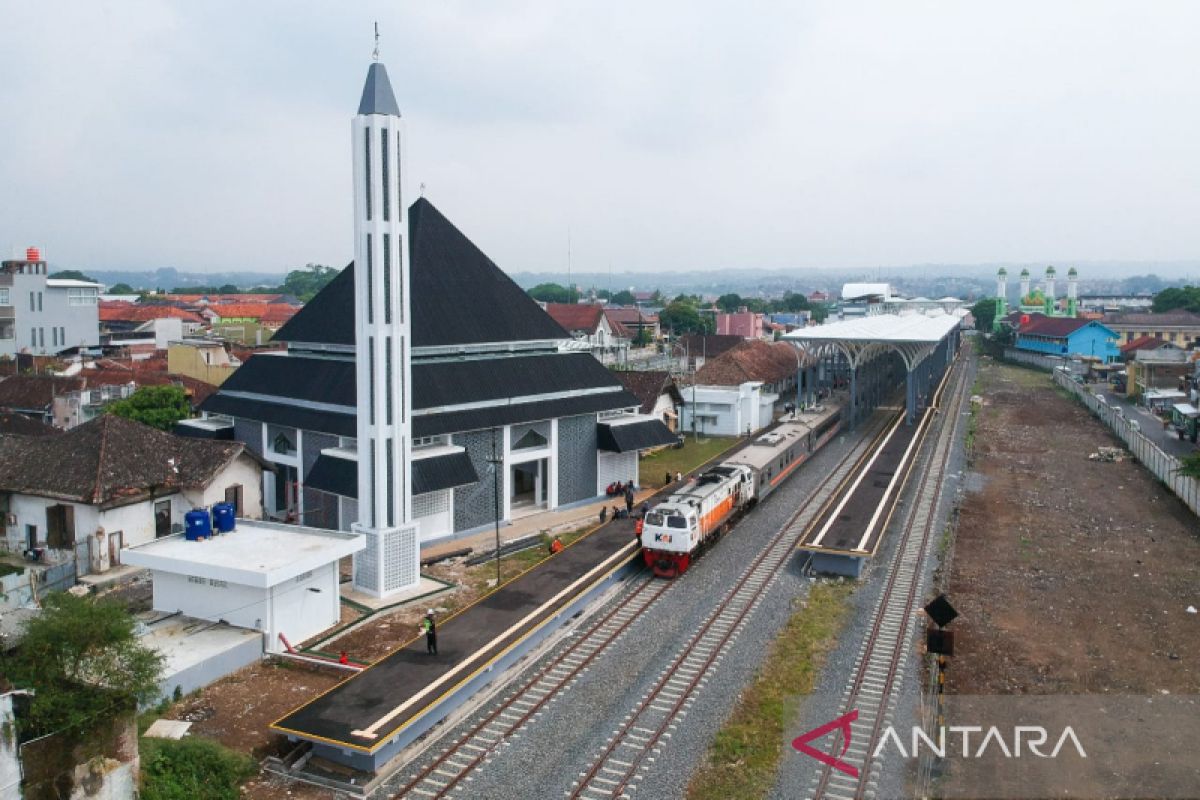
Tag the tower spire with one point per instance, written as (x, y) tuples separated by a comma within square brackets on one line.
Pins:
[(375, 52), (383, 346)]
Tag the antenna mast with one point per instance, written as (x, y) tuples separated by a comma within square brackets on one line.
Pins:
[(375, 53)]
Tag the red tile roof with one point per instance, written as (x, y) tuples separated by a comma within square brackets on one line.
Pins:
[(576, 316), (1055, 327), (1169, 318), (121, 311), (648, 385), (749, 360), (263, 312), (1143, 343)]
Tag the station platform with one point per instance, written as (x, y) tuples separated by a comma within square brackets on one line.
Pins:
[(367, 719)]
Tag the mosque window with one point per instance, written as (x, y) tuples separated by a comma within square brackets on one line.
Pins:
[(367, 169), (370, 283), (387, 278), (385, 184), (387, 343)]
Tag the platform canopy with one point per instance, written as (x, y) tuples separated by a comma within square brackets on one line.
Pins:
[(912, 336)]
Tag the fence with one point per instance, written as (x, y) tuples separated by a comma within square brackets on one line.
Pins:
[(1043, 362), (1165, 467)]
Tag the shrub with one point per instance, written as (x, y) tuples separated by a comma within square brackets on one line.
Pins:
[(190, 768)]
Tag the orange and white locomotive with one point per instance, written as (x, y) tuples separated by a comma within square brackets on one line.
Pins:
[(692, 518), (675, 530)]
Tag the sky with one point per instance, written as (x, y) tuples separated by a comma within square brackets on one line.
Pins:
[(659, 135)]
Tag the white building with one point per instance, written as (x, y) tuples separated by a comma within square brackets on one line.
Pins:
[(113, 483), (44, 315), (727, 410), (279, 579)]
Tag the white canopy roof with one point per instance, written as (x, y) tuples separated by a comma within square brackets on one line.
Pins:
[(913, 336), (1186, 409), (917, 328)]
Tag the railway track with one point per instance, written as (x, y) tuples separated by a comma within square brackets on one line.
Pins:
[(642, 733), (454, 764), (879, 667)]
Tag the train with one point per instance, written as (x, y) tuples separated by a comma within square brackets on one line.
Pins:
[(675, 531)]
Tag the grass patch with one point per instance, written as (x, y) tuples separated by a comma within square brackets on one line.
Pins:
[(684, 459), (192, 767), (743, 759), (514, 564), (10, 569)]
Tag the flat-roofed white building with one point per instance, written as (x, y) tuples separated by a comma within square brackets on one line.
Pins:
[(279, 579)]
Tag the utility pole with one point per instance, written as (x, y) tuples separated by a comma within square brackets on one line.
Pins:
[(496, 463)]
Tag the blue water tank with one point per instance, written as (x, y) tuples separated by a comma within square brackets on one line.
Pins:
[(224, 517), (197, 524)]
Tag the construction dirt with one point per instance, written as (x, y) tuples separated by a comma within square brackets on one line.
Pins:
[(1072, 576)]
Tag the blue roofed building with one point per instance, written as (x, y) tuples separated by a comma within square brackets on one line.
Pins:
[(1068, 336)]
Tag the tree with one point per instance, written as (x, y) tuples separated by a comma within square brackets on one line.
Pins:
[(228, 288), (729, 302), (157, 406), (305, 283), (550, 293), (623, 298), (984, 313), (819, 313), (681, 316), (122, 288), (71, 275), (1189, 465), (84, 662), (1186, 298)]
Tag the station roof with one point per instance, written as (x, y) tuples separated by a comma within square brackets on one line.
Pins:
[(883, 328), (860, 339)]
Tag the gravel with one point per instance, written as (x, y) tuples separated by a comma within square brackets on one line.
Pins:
[(796, 772)]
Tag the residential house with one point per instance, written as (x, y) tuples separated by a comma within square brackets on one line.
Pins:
[(14, 423), (736, 392), (207, 360), (33, 395), (1181, 328), (117, 316), (44, 315), (268, 316), (589, 324), (635, 321), (1068, 336), (658, 393), (113, 483)]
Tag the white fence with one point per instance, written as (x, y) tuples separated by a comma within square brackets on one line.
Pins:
[(1041, 361), (1165, 467)]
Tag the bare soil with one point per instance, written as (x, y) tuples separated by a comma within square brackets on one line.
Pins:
[(1072, 576)]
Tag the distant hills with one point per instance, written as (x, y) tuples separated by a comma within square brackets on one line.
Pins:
[(171, 278)]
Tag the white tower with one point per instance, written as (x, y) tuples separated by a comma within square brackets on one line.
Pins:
[(1024, 286), (1050, 284), (391, 561), (1002, 284)]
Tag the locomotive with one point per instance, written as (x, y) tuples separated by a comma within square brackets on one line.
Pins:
[(677, 529)]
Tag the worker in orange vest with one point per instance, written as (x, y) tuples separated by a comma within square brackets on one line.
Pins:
[(556, 546)]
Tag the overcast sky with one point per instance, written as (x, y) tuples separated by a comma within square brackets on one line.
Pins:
[(663, 135)]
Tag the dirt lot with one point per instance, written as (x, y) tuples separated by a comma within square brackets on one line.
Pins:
[(1072, 576)]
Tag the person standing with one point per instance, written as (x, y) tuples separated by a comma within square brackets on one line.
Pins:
[(430, 629), (603, 514), (667, 480), (629, 498)]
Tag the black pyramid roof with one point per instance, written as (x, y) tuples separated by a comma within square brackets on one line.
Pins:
[(458, 295)]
